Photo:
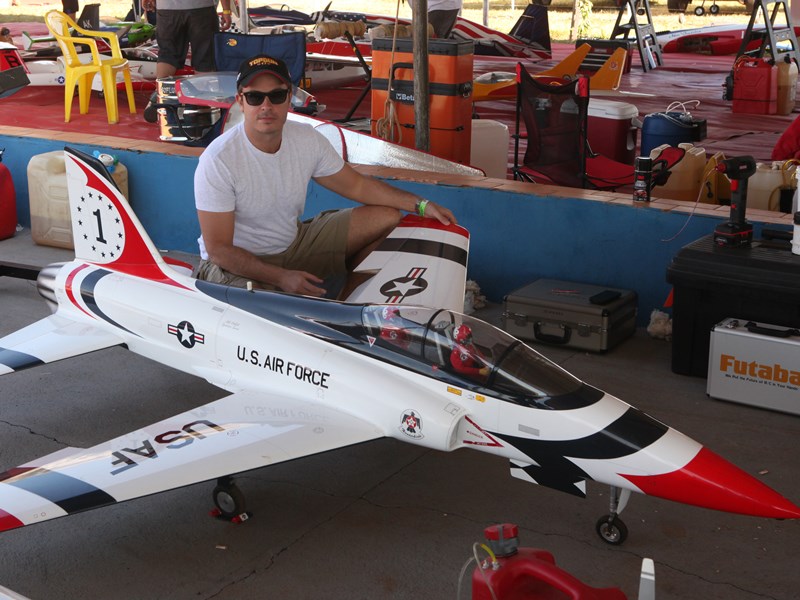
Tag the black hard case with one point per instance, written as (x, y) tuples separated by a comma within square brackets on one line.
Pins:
[(712, 283), (560, 312)]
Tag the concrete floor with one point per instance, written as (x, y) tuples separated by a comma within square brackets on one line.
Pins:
[(380, 520)]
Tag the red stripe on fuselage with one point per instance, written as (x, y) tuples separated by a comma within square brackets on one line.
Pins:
[(70, 293)]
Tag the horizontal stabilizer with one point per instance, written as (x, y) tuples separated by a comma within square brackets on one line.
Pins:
[(51, 339)]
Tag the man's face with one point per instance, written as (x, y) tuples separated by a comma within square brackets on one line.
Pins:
[(266, 117)]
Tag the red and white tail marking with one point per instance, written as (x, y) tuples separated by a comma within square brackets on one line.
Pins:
[(105, 230)]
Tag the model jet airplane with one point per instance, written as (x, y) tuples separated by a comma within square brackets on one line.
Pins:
[(307, 375)]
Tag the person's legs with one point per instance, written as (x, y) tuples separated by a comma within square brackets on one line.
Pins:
[(173, 46), (443, 22), (202, 24), (369, 225), (70, 8)]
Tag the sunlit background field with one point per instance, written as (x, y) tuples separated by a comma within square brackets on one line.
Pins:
[(502, 14)]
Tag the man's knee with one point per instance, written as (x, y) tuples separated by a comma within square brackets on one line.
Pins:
[(374, 221), (369, 225)]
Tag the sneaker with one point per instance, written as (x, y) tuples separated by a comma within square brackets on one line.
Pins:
[(150, 111)]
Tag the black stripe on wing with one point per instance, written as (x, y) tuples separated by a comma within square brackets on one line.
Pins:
[(71, 494)]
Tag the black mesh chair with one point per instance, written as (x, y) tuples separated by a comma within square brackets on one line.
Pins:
[(555, 114)]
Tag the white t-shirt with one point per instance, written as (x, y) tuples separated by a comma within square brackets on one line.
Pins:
[(444, 5), (266, 191)]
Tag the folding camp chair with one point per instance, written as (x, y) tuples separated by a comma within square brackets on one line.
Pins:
[(230, 49), (555, 113), (556, 116)]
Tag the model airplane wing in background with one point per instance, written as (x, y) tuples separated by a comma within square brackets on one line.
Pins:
[(306, 375)]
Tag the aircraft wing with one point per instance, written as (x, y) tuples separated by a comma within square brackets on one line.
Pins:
[(421, 262), (51, 339), (243, 431)]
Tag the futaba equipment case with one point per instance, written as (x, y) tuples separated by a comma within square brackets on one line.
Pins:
[(578, 315), (756, 364)]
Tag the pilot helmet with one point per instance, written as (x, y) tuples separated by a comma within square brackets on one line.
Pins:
[(463, 334), (389, 313)]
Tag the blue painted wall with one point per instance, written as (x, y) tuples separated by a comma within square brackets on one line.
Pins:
[(515, 238)]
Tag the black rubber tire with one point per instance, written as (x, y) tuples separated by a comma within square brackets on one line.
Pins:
[(611, 530), (229, 499)]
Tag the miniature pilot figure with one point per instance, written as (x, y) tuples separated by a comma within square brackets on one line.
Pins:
[(466, 358), (392, 330)]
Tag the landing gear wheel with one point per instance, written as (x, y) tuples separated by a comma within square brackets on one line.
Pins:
[(699, 11), (714, 10), (228, 498), (611, 530)]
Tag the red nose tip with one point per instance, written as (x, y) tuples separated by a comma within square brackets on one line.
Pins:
[(710, 481)]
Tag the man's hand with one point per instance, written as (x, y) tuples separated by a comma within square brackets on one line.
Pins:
[(149, 5), (444, 215), (225, 22), (300, 282)]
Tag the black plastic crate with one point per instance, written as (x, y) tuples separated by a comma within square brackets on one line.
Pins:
[(712, 283)]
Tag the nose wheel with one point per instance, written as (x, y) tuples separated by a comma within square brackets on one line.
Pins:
[(611, 530), (229, 501), (610, 527)]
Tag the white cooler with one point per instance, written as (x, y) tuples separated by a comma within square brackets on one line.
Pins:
[(754, 363), (612, 129)]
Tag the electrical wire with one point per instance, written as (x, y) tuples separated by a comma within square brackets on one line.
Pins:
[(706, 180)]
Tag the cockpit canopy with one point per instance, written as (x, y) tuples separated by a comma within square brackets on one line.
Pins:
[(471, 349)]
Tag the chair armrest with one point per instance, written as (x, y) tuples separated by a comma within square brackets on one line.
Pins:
[(86, 42)]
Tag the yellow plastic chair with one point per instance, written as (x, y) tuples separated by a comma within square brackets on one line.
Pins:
[(81, 73)]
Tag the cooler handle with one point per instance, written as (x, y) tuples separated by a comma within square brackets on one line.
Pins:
[(549, 338), (771, 331)]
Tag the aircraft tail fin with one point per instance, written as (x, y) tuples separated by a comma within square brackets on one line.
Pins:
[(609, 76), (570, 65), (105, 230), (421, 262)]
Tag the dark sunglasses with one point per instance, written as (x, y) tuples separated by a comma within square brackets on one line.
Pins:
[(275, 97)]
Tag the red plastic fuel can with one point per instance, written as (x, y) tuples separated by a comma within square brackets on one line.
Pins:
[(8, 202), (528, 573), (755, 86)]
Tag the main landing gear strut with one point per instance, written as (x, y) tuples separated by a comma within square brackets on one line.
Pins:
[(610, 528)]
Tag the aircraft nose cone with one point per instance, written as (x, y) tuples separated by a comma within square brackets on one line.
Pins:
[(708, 480)]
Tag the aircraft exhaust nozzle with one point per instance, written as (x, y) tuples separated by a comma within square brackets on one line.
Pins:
[(45, 284), (708, 480)]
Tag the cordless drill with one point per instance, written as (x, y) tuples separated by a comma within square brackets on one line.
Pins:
[(736, 231)]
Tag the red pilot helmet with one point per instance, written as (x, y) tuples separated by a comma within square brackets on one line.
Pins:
[(463, 334), (390, 312)]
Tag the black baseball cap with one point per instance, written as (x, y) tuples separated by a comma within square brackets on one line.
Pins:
[(261, 63)]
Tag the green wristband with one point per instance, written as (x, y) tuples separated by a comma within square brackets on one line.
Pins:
[(421, 204)]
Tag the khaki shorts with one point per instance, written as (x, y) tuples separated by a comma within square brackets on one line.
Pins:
[(319, 248)]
